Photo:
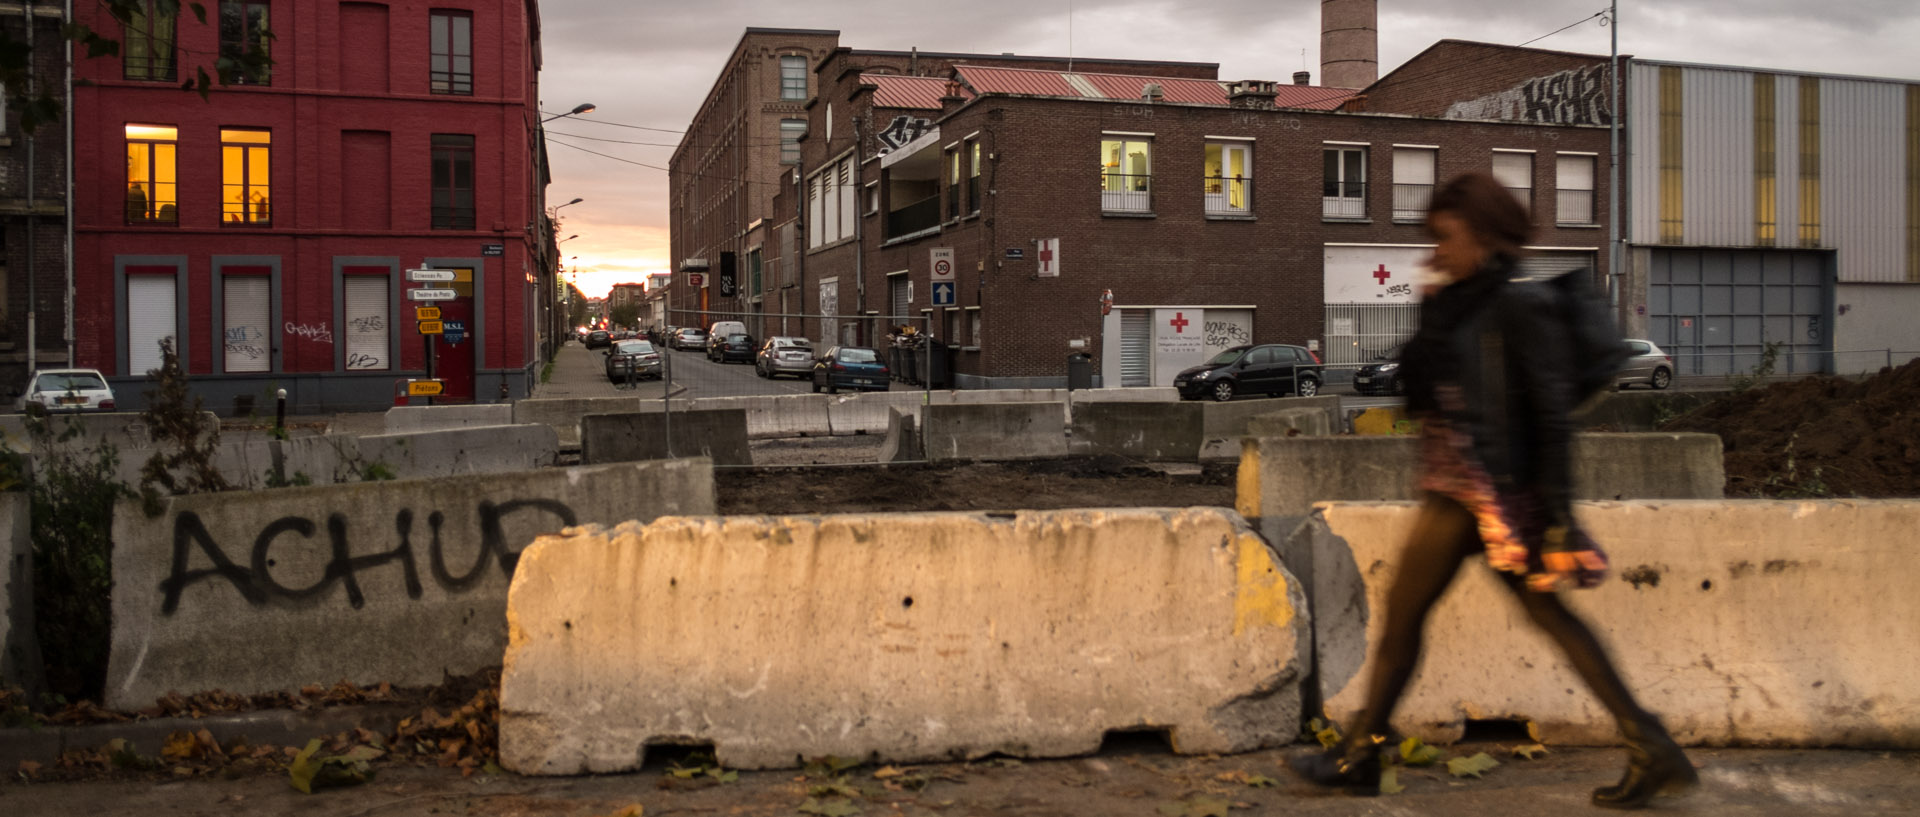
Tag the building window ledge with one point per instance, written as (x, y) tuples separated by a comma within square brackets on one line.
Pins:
[(1577, 225), (1127, 214), (1332, 220), (1231, 217), (969, 348), (1414, 222), (902, 239)]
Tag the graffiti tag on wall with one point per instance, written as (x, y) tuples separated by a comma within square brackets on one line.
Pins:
[(255, 581), (902, 130), (1571, 97), (1223, 334), (244, 341), (318, 333)]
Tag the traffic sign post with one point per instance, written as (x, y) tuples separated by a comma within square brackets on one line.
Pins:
[(943, 293), (431, 294), (439, 275)]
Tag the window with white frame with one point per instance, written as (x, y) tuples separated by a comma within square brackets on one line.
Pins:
[(245, 312), (953, 184), (1126, 174), (1228, 173), (1344, 189), (793, 77), (973, 177), (366, 322), (1514, 171), (1573, 189), (831, 199), (1412, 182)]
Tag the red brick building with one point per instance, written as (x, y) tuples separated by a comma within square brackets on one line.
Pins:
[(33, 228), (268, 228), (1146, 219)]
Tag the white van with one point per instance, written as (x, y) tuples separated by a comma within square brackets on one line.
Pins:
[(721, 329)]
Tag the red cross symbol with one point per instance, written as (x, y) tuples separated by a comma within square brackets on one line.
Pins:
[(1046, 254), (1381, 275), (1179, 323)]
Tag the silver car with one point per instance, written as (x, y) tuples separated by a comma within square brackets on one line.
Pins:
[(1648, 366), (783, 354), (635, 358), (67, 390)]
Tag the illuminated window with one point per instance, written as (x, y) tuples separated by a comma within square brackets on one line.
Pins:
[(1126, 175), (244, 40), (1227, 177), (452, 54), (149, 40), (973, 178), (452, 181), (246, 190), (151, 185)]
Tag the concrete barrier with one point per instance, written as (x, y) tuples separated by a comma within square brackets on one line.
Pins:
[(903, 442), (460, 451), (1147, 431), (1739, 622), (1136, 394), (1226, 423), (564, 413), (19, 650), (995, 431), (777, 415), (1300, 422), (720, 435), (403, 582), (906, 637), (124, 430), (404, 419), (869, 412), (1281, 478)]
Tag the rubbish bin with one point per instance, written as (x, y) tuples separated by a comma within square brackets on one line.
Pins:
[(1079, 371), (938, 363)]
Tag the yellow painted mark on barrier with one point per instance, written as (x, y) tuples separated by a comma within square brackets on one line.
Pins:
[(1260, 589), (1378, 421), (1246, 490)]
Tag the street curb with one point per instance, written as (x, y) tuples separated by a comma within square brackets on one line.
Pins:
[(279, 727)]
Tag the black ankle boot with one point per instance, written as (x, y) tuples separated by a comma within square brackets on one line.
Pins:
[(1655, 766), (1353, 765)]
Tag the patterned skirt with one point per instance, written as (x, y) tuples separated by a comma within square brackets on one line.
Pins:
[(1513, 523)]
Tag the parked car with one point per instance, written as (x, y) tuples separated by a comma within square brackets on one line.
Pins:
[(1271, 369), (1648, 365), (721, 329), (688, 337), (638, 357), (849, 367), (67, 390), (784, 354), (729, 347), (599, 339), (1383, 375)]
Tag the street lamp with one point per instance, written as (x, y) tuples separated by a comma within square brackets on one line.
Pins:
[(567, 239), (584, 107)]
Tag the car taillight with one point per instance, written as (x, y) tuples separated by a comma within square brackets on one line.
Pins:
[(106, 405), (1313, 354), (838, 367), (1669, 360)]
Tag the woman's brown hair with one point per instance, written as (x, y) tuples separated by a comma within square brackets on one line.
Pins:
[(1492, 212)]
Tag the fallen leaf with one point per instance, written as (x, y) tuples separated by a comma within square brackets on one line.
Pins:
[(835, 807), (685, 774), (1416, 753), (1474, 766), (885, 772), (178, 745), (1328, 737), (1245, 778), (1532, 752), (29, 768), (835, 788), (723, 775), (1390, 781)]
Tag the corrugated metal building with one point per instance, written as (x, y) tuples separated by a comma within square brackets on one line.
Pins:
[(1773, 209)]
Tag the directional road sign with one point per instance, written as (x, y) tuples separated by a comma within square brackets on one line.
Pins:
[(429, 275), (943, 293), (426, 313), (430, 294), (425, 388), (430, 328)]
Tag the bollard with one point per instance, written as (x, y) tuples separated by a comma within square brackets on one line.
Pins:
[(280, 413)]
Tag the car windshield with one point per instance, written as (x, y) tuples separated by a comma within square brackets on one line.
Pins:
[(737, 338), (70, 381), (791, 343), (858, 356), (1227, 356), (635, 347)]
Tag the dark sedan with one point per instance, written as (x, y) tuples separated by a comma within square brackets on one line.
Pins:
[(599, 339), (1381, 376), (730, 347), (636, 358), (849, 367), (1272, 369)]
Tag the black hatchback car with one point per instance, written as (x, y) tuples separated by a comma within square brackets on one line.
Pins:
[(1271, 369), (730, 347)]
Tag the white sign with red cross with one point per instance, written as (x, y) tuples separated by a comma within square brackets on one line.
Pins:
[(1179, 341), (1373, 274), (1049, 257)]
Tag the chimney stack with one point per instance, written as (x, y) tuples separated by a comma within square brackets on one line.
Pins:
[(1151, 92), (1349, 43), (1302, 78), (1251, 93)]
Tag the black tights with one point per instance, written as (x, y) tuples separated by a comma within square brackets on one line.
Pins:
[(1444, 536)]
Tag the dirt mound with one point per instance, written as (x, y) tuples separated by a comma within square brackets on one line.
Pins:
[(1820, 437)]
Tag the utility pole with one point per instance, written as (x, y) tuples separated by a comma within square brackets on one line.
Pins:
[(1616, 251)]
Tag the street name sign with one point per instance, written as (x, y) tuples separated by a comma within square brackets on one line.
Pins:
[(429, 275), (431, 327), (430, 294), (426, 313), (425, 388)]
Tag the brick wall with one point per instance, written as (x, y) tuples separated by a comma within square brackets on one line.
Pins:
[(46, 252), (1452, 72)]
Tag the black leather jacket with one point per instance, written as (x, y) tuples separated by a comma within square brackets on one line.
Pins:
[(1493, 359)]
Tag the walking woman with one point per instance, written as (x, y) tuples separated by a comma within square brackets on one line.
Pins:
[(1490, 377)]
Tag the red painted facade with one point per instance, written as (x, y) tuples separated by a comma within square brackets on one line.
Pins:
[(352, 115)]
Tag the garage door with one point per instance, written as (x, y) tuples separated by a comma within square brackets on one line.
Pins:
[(1716, 311), (1136, 347), (1550, 263)]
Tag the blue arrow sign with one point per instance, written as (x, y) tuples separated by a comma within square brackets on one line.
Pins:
[(943, 293)]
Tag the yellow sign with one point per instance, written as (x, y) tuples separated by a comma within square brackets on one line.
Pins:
[(430, 328), (426, 313), (424, 388)]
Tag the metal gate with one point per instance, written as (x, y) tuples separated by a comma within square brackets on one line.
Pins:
[(1715, 311), (1136, 347), (1550, 263), (1361, 333)]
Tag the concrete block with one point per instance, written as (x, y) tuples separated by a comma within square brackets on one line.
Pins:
[(869, 412), (405, 419), (718, 434), (1226, 423), (124, 430), (903, 443), (1137, 394), (1739, 622), (772, 416), (995, 431), (564, 413), (1147, 431), (1300, 422), (910, 637), (401, 581), (459, 451), (20, 663)]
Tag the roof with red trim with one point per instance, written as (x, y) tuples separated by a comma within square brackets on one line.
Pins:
[(1078, 85), (897, 91)]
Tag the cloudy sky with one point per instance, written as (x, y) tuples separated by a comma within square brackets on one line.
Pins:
[(648, 64)]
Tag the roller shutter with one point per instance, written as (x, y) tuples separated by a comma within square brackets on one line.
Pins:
[(899, 293), (151, 317), (367, 322), (1136, 347), (244, 311)]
